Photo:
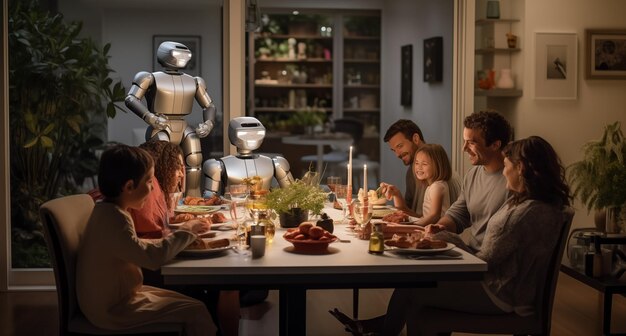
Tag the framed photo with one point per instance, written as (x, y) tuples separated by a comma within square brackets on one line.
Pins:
[(406, 85), (556, 65), (605, 51), (433, 59), (191, 41)]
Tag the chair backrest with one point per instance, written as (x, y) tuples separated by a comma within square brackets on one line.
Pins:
[(546, 299), (64, 221)]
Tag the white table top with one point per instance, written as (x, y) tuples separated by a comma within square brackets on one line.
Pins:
[(345, 259)]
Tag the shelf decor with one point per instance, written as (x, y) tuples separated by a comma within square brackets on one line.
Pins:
[(433, 59), (606, 54), (190, 41), (556, 65)]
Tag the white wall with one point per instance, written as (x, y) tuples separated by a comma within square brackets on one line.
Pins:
[(410, 22), (567, 125)]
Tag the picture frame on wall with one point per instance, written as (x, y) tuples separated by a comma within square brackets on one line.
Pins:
[(605, 51), (406, 85), (556, 65), (190, 41), (433, 59)]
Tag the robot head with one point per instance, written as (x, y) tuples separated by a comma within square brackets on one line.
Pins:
[(173, 55), (246, 133)]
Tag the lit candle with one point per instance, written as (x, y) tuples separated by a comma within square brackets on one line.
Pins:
[(365, 189), (350, 167)]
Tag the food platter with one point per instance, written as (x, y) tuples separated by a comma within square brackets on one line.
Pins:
[(400, 250), (197, 209), (310, 246), (380, 213), (204, 253)]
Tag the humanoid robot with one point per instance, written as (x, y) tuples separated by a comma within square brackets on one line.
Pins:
[(170, 95), (247, 134)]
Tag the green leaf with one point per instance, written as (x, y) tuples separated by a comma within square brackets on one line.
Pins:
[(46, 142), (32, 142)]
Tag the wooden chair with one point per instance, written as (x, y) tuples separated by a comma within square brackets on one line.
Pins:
[(442, 321), (64, 221)]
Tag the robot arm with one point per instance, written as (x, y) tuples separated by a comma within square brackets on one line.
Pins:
[(212, 181), (281, 171), (208, 109), (142, 82)]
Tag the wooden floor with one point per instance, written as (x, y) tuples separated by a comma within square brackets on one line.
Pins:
[(576, 312)]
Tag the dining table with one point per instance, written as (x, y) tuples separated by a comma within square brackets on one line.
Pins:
[(346, 264), (335, 139)]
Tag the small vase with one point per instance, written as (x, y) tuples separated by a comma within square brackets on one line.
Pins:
[(493, 9), (293, 218), (506, 80)]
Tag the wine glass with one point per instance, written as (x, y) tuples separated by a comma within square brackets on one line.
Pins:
[(362, 213)]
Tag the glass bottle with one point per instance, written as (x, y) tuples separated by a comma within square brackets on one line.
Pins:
[(270, 228), (377, 241)]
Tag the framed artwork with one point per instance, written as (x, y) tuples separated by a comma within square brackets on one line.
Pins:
[(605, 51), (433, 59), (406, 86), (191, 41), (556, 65)]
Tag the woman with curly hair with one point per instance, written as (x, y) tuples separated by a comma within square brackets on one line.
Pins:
[(151, 220)]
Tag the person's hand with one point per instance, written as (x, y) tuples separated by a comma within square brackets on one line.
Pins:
[(196, 226), (389, 190), (431, 229)]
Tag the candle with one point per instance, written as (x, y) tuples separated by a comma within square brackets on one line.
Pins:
[(365, 189), (350, 167)]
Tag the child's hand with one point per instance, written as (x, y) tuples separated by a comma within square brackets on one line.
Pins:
[(431, 229), (389, 190), (196, 226)]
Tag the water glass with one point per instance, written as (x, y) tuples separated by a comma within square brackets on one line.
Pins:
[(363, 213), (332, 181), (341, 192), (238, 192)]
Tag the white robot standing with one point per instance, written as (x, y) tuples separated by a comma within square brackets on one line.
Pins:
[(170, 96), (247, 134)]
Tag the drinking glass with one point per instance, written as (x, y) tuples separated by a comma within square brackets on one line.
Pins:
[(341, 192), (238, 192), (332, 181), (362, 213)]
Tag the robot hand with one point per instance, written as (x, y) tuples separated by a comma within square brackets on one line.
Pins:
[(157, 122), (204, 128)]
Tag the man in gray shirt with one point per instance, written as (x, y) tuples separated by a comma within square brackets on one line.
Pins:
[(484, 186)]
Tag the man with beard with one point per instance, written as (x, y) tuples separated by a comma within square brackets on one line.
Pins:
[(484, 191)]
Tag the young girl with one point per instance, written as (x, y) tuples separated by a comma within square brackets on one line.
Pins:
[(108, 270), (431, 166)]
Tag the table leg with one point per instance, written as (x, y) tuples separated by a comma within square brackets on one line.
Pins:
[(292, 311), (606, 312), (320, 159), (355, 303)]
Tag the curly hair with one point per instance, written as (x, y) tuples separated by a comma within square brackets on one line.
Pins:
[(441, 163), (166, 157), (118, 165), (543, 175), (493, 125), (404, 126)]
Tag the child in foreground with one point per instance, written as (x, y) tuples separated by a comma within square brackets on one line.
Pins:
[(108, 271)]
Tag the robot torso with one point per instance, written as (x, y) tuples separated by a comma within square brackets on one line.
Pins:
[(172, 94), (236, 169)]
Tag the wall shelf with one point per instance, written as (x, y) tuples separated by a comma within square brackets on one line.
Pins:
[(499, 93)]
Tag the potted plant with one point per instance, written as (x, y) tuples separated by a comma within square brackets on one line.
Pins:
[(294, 202), (60, 94), (599, 178)]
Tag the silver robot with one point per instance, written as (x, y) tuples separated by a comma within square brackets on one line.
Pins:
[(170, 96), (247, 134)]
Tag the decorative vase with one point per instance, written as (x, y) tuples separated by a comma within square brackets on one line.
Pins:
[(493, 9), (293, 218), (612, 215), (506, 80)]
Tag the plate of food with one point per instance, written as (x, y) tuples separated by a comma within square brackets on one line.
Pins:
[(196, 209), (381, 213), (425, 249), (203, 247)]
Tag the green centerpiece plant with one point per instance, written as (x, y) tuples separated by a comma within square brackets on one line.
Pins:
[(297, 200), (599, 179)]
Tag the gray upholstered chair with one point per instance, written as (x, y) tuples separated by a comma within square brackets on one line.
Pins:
[(64, 220), (442, 321)]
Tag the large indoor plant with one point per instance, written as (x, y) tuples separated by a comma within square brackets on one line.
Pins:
[(60, 95), (599, 179), (296, 200)]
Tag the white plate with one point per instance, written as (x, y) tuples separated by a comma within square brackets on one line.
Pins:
[(214, 226), (204, 253), (381, 206), (400, 250), (197, 209)]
